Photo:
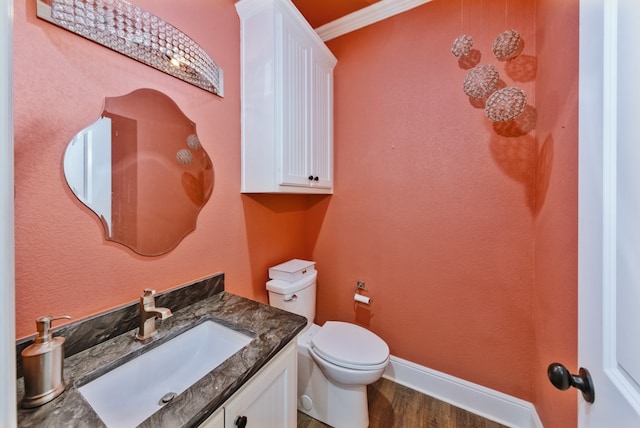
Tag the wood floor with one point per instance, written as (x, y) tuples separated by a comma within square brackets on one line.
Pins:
[(395, 406)]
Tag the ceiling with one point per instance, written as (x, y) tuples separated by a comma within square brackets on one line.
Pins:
[(320, 12)]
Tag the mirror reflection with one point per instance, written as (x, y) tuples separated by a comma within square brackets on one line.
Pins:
[(141, 168)]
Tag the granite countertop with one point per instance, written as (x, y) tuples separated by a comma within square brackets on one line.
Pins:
[(271, 328)]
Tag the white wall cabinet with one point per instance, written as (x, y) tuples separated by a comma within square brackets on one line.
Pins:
[(287, 101), (268, 400)]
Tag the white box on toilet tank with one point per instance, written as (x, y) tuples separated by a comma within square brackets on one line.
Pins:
[(293, 270)]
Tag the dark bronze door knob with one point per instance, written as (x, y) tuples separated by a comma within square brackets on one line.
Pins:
[(561, 378)]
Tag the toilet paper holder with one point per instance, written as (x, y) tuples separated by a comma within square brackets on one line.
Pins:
[(358, 297)]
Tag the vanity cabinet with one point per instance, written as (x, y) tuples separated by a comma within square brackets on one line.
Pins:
[(267, 400), (287, 101), (214, 421)]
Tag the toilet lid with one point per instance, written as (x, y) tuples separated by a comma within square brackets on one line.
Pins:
[(349, 345)]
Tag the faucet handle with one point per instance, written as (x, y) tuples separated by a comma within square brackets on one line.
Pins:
[(147, 297)]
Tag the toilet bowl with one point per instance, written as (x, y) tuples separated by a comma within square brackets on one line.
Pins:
[(349, 354), (336, 361)]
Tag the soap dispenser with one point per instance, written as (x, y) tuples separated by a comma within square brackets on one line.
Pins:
[(42, 364)]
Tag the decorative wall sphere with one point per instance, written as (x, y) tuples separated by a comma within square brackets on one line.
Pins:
[(505, 104), (481, 81), (462, 45), (507, 45)]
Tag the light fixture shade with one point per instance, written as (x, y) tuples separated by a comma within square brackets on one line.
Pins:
[(507, 45), (462, 45), (505, 104), (138, 34), (481, 81)]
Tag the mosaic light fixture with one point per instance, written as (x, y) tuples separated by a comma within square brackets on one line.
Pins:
[(506, 104), (138, 34), (481, 81), (462, 46), (507, 45)]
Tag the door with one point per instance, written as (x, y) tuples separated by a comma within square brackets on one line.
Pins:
[(296, 59), (268, 400), (8, 402), (609, 211), (321, 113)]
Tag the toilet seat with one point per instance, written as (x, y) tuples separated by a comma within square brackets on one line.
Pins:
[(350, 346)]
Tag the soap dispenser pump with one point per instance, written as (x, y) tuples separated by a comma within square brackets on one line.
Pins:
[(42, 364)]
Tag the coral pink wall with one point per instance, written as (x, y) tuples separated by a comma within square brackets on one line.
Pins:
[(63, 263), (432, 208), (555, 292), (464, 232), (464, 235)]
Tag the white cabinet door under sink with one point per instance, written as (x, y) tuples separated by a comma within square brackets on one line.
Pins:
[(268, 400), (287, 101), (214, 421)]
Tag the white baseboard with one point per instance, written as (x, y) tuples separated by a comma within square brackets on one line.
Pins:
[(493, 405)]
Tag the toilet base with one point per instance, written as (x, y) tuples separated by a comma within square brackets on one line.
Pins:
[(340, 406)]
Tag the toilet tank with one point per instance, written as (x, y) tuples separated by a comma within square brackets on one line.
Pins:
[(298, 297)]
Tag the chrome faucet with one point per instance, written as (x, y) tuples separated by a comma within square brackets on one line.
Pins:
[(148, 315)]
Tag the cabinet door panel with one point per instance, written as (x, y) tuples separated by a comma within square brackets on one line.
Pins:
[(269, 400), (296, 59), (214, 421), (321, 156)]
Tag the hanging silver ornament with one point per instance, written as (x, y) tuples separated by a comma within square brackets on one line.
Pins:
[(507, 45), (462, 45), (481, 81), (505, 104)]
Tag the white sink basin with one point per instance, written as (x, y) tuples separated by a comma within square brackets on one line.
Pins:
[(130, 393)]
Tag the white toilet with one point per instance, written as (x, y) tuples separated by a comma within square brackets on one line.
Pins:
[(337, 361)]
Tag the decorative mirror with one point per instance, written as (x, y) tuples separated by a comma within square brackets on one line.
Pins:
[(141, 168)]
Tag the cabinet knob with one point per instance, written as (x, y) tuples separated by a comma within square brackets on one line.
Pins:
[(310, 177), (315, 178), (241, 422)]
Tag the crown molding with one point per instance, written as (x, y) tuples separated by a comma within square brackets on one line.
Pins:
[(366, 16)]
